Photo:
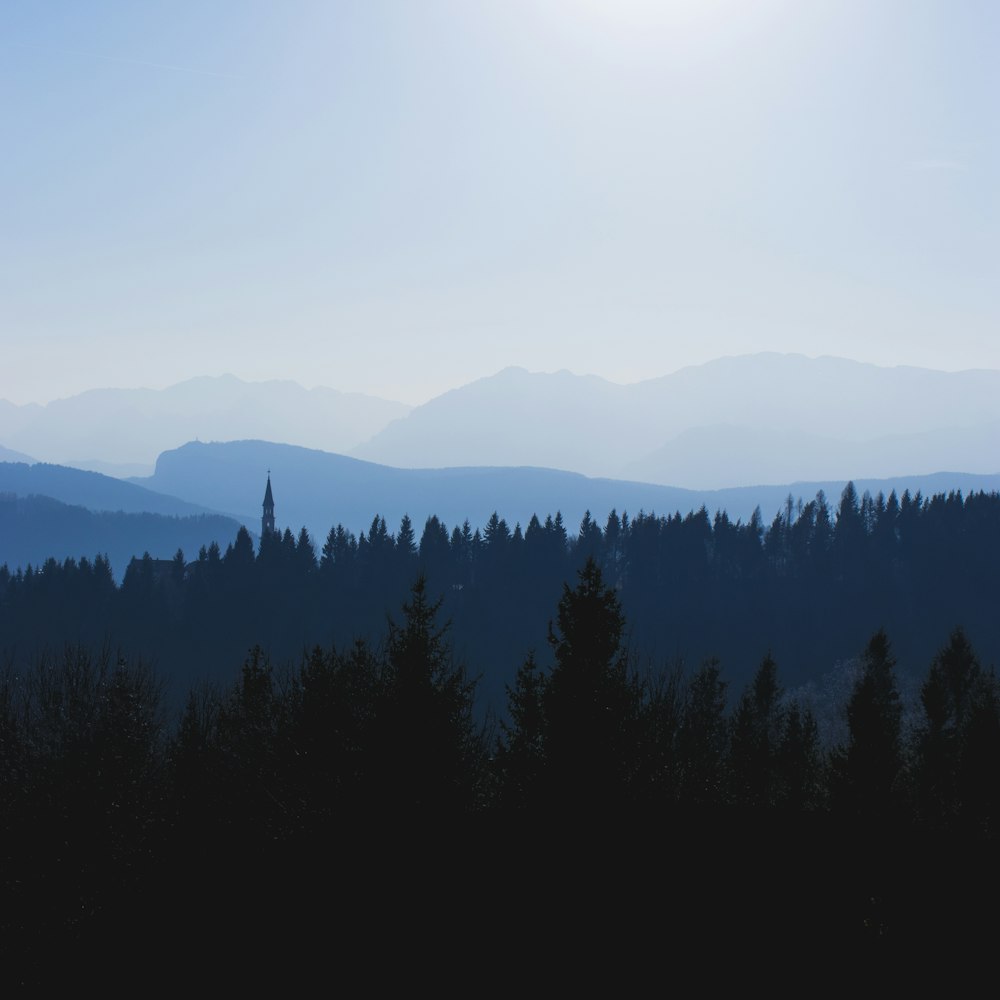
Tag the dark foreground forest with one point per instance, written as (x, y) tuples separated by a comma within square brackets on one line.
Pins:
[(360, 794)]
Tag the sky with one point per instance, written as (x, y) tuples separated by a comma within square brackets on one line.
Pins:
[(399, 197)]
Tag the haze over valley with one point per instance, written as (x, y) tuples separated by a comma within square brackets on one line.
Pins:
[(763, 419), (122, 431)]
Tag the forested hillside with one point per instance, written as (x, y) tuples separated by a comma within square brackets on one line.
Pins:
[(36, 529), (809, 588), (363, 773)]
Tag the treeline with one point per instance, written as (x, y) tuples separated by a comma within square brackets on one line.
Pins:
[(112, 814), (32, 528), (812, 585)]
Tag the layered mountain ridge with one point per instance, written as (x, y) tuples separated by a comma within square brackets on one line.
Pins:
[(737, 421)]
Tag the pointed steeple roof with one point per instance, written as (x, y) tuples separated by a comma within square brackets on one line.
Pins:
[(268, 499)]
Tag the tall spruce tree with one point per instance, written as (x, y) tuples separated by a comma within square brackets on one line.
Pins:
[(521, 748), (756, 730), (703, 739), (592, 700), (867, 769), (951, 743), (428, 752)]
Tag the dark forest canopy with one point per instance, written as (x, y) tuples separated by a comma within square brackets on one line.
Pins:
[(810, 586), (583, 722), (360, 772)]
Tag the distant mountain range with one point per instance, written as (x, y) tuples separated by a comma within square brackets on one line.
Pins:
[(124, 430), (720, 456), (739, 421), (318, 490), (764, 418), (730, 435)]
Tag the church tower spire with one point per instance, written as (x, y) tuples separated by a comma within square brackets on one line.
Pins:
[(267, 521)]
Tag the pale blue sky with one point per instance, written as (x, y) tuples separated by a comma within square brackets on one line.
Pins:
[(398, 197)]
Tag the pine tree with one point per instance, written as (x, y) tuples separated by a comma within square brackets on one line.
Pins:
[(957, 697), (240, 554), (799, 761), (591, 700), (405, 540), (434, 553), (867, 769), (429, 754), (703, 738), (755, 736), (305, 554), (521, 749)]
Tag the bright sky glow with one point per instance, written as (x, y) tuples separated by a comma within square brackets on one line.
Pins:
[(397, 198)]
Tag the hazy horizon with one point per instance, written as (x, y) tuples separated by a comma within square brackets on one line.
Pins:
[(399, 199), (309, 387)]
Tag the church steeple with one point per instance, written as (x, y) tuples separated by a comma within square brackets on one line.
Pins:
[(267, 521)]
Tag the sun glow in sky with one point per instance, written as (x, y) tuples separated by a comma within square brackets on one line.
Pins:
[(642, 14), (398, 198)]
